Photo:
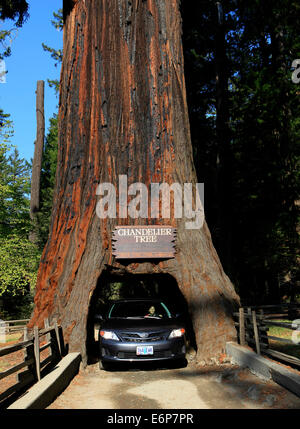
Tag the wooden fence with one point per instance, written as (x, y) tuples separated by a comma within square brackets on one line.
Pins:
[(253, 325), (33, 344), (11, 326)]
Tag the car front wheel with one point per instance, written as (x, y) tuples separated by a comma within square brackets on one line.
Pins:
[(102, 365)]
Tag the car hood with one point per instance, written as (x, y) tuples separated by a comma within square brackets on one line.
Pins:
[(140, 324)]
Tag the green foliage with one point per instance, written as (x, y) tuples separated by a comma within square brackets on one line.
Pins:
[(14, 191), (47, 181), (18, 265), (18, 257), (58, 21), (56, 54), (16, 11), (259, 162), (6, 128)]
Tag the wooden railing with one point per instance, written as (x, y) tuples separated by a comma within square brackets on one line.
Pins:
[(33, 346), (10, 326), (253, 325)]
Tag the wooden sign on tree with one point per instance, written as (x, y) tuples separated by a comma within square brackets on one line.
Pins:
[(144, 242)]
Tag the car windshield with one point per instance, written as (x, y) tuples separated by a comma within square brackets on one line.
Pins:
[(139, 310)]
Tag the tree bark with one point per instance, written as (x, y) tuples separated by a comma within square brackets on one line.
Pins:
[(37, 159), (123, 110)]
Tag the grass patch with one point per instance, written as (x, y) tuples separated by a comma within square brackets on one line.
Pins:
[(284, 333), (4, 365), (277, 331), (9, 338), (14, 358)]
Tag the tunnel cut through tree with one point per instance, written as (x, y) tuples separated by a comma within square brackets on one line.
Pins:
[(123, 111), (120, 285)]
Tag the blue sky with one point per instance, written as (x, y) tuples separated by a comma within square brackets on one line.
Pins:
[(27, 64)]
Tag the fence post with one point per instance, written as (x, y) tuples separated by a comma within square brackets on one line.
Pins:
[(7, 330), (55, 344), (37, 351), (256, 336), (25, 335), (57, 336), (48, 336), (2, 331), (25, 338), (46, 324), (29, 353), (242, 326)]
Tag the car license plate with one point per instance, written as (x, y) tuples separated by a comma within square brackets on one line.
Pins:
[(148, 350)]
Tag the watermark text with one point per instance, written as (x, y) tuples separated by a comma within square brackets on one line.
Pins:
[(159, 200)]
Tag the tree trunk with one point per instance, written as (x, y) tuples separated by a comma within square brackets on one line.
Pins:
[(123, 111), (37, 159)]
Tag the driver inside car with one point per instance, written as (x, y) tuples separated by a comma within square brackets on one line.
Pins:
[(152, 312)]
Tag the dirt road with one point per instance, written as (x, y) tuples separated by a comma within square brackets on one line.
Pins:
[(192, 387)]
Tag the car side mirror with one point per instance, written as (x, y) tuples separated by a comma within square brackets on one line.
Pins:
[(98, 318), (177, 315)]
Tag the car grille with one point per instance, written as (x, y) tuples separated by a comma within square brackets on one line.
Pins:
[(156, 354), (139, 338)]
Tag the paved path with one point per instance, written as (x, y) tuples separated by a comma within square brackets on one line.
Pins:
[(192, 387)]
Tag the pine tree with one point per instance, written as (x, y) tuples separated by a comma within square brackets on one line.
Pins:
[(47, 181), (18, 257)]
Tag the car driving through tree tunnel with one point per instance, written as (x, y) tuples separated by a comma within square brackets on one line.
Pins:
[(135, 330)]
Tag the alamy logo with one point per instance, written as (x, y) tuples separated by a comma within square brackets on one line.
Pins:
[(154, 203), (296, 72), (2, 72), (296, 332), (2, 331)]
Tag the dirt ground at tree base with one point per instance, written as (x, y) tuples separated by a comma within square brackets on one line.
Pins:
[(166, 387)]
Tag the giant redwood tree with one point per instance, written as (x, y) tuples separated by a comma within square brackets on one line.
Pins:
[(123, 111)]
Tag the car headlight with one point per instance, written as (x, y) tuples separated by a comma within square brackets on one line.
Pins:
[(176, 333), (109, 335)]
